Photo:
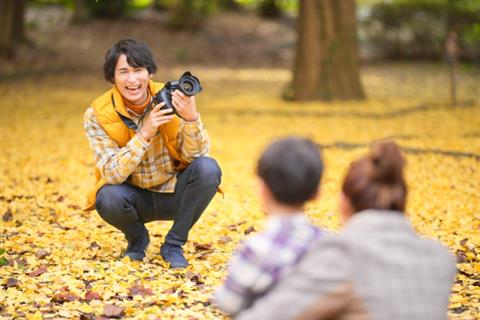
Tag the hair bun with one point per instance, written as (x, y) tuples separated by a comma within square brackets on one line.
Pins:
[(387, 162)]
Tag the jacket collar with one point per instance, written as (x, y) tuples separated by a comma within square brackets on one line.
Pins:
[(377, 221)]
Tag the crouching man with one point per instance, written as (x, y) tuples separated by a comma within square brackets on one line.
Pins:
[(150, 166)]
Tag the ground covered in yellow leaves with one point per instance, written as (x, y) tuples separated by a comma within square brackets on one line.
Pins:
[(59, 262)]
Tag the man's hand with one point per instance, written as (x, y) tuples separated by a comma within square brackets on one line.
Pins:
[(185, 106), (155, 119)]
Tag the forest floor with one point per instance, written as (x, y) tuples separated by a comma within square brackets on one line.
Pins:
[(59, 262)]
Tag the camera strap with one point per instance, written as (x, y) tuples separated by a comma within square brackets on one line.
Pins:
[(127, 121)]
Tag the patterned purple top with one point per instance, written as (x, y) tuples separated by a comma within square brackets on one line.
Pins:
[(263, 259)]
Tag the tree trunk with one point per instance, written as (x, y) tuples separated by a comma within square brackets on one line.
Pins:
[(452, 51), (80, 11), (11, 25), (269, 9), (159, 5), (188, 14), (18, 24), (229, 5), (326, 63)]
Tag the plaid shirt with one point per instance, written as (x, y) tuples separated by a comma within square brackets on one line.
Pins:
[(144, 164), (263, 259)]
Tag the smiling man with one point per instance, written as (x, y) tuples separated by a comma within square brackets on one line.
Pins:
[(150, 166)]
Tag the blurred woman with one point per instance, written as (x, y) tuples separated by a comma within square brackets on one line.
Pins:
[(377, 267)]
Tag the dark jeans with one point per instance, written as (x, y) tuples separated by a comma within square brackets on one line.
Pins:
[(128, 208)]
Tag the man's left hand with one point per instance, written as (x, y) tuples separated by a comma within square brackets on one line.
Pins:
[(185, 106)]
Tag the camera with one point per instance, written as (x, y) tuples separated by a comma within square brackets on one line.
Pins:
[(188, 84)]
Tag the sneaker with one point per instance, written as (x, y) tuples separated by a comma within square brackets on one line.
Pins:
[(174, 255), (136, 248)]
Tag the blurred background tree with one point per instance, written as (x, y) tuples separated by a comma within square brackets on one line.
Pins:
[(417, 29), (189, 14), (11, 26), (107, 9), (396, 29), (326, 61), (80, 11), (321, 51), (269, 9)]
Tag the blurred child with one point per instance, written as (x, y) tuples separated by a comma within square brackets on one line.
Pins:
[(290, 171)]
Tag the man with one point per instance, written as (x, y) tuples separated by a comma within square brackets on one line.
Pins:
[(148, 166)]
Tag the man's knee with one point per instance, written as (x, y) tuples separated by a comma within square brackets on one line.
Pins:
[(113, 203), (207, 171)]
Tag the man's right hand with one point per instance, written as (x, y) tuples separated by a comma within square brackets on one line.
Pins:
[(155, 119)]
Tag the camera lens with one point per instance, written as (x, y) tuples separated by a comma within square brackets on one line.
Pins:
[(187, 86)]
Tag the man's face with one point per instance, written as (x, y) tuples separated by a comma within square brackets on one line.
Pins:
[(132, 82)]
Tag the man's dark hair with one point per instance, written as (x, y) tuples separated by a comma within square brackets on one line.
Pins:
[(291, 168), (138, 55)]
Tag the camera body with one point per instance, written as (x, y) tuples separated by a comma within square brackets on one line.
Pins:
[(188, 84)]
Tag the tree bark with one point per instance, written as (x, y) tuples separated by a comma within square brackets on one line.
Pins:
[(18, 26), (11, 25), (80, 13), (326, 64), (187, 14), (269, 9), (229, 5), (452, 51)]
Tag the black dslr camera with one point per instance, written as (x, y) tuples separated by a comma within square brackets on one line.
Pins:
[(188, 84)]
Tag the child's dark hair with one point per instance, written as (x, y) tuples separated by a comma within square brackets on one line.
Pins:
[(376, 180), (291, 168), (138, 55)]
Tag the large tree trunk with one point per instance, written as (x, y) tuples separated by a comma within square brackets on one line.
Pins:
[(11, 25), (326, 62)]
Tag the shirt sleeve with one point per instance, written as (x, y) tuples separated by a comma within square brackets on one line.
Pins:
[(193, 140), (249, 276), (115, 163), (323, 271)]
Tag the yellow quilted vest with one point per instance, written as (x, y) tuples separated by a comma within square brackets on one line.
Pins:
[(106, 108)]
